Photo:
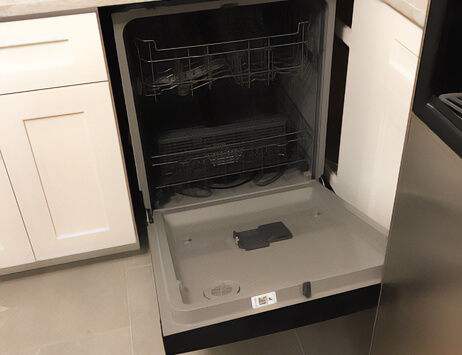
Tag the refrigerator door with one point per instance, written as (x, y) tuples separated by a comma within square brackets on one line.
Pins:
[(420, 309)]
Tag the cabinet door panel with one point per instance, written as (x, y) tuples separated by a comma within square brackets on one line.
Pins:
[(62, 151), (67, 168), (15, 248), (50, 52), (384, 50)]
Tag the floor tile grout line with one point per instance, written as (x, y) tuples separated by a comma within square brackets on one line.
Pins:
[(128, 307), (137, 266), (299, 342)]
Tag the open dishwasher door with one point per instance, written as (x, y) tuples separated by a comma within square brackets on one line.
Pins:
[(203, 277)]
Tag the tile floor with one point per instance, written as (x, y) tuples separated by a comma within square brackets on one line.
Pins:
[(108, 307)]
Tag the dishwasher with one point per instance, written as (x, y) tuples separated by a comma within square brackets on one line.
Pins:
[(225, 104)]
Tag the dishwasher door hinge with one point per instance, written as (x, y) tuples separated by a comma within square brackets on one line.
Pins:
[(149, 217)]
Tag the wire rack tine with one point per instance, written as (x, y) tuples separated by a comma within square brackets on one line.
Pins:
[(249, 65)]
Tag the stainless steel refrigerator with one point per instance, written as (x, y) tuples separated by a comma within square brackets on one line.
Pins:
[(420, 309)]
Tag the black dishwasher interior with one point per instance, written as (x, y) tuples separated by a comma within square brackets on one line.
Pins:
[(225, 96)]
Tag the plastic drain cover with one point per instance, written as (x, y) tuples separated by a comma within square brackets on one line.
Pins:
[(262, 236), (221, 289)]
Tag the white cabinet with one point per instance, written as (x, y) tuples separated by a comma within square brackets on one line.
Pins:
[(50, 52), (15, 248), (62, 158), (384, 50)]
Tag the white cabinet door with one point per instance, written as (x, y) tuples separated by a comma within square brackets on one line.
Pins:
[(50, 52), (15, 248), (384, 50), (62, 152)]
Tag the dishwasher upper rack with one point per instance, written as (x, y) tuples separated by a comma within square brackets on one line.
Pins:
[(189, 68)]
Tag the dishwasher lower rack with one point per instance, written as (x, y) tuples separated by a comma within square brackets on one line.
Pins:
[(245, 147), (243, 61)]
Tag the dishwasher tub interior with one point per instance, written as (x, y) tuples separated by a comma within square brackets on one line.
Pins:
[(225, 95)]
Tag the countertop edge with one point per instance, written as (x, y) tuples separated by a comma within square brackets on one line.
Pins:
[(12, 10)]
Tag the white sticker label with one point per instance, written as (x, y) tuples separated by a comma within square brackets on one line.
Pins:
[(264, 300)]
